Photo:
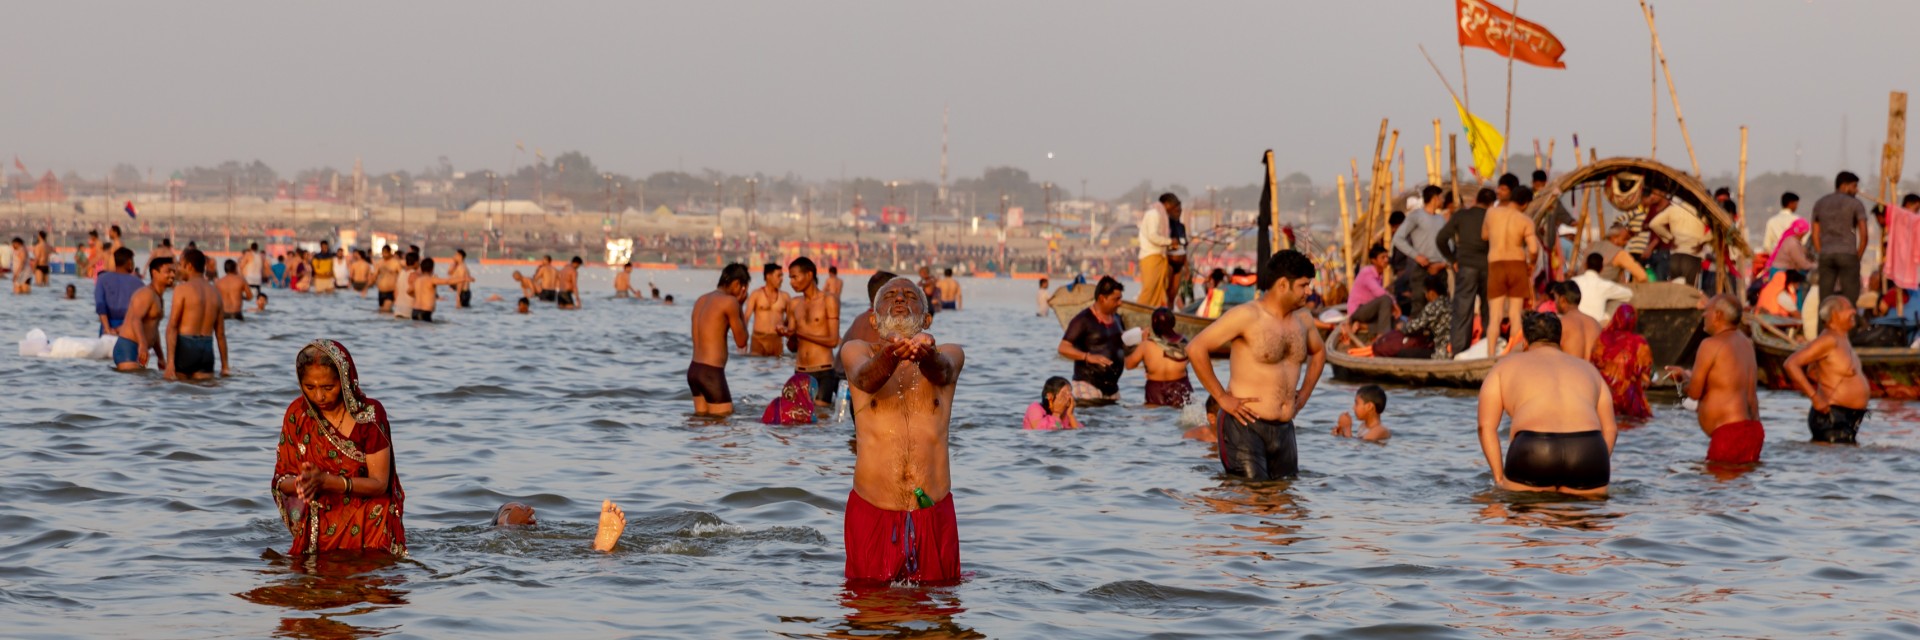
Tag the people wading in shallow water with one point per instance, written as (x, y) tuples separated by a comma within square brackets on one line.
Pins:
[(1835, 385), (1164, 353), (1271, 339), (766, 311), (1092, 341), (1723, 380), (334, 478), (813, 320), (714, 315), (1562, 430), (196, 326), (900, 522), (613, 522)]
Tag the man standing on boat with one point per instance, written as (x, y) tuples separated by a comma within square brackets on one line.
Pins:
[(1840, 237), (1417, 238), (1271, 339), (1155, 243), (1511, 250), (1463, 245), (1838, 387), (1724, 379)]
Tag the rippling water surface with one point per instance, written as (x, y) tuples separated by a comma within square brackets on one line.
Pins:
[(134, 507)]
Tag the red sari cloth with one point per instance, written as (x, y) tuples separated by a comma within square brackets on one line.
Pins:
[(1626, 363), (332, 521)]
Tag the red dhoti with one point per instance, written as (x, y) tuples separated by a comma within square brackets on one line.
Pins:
[(887, 546), (1737, 442)]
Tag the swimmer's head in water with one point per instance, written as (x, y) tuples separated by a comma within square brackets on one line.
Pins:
[(1369, 402), (69, 292), (514, 514), (900, 310), (1050, 392), (1540, 328), (522, 305)]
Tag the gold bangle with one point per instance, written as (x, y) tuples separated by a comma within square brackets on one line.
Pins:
[(346, 484)]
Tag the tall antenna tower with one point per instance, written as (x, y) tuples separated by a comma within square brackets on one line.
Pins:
[(942, 200)]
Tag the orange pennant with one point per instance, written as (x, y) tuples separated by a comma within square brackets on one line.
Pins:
[(1486, 26)]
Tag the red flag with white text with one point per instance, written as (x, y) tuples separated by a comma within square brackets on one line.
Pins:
[(1484, 25)]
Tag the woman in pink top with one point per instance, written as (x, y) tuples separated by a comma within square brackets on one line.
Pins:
[(1055, 408)]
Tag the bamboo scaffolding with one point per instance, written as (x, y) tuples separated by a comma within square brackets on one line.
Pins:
[(1346, 228), (1672, 92), (1506, 129)]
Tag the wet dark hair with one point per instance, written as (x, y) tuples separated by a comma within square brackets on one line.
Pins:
[(195, 260), (833, 270), (262, 296), (413, 259), (1213, 406), (1286, 264), (1540, 327), (877, 280), (1845, 178), (523, 300), (802, 263), (576, 261), (462, 252), (1522, 196), (734, 272), (1374, 395), (1051, 389), (123, 257), (1163, 322), (1107, 286), (769, 269), (155, 264), (166, 242), (1485, 197)]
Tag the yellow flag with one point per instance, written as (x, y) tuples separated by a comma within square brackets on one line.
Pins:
[(1486, 142)]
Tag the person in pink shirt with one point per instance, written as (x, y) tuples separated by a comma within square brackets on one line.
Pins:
[(1369, 303), (1055, 408)]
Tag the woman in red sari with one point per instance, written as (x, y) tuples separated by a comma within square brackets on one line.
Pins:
[(1626, 363), (334, 479)]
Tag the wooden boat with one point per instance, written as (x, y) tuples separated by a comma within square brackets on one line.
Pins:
[(1892, 372), (1416, 372), (1070, 300)]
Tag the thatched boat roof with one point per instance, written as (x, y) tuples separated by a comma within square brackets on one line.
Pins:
[(1636, 171)]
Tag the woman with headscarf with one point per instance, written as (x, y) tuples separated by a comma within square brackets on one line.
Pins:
[(1164, 352), (795, 404), (1789, 255), (1626, 363), (334, 479)]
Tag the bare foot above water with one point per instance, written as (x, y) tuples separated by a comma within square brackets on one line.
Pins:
[(613, 522)]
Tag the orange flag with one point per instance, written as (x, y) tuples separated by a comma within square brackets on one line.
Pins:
[(1486, 26)]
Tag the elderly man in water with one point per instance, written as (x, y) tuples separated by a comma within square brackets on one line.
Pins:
[(900, 522), (613, 522), (1723, 380), (1835, 385), (1562, 431), (1270, 339)]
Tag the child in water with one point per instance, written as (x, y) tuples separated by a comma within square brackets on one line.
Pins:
[(1368, 403), (1209, 432), (1055, 408)]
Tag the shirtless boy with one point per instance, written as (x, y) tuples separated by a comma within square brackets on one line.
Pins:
[(1511, 250), (1562, 430), (900, 522), (623, 281), (196, 324), (234, 292), (714, 315), (814, 318), (360, 273), (1578, 331), (426, 291), (42, 259), (1368, 403), (1838, 391), (1271, 339), (767, 308), (463, 279), (140, 330), (22, 272), (832, 285), (568, 285), (1724, 380)]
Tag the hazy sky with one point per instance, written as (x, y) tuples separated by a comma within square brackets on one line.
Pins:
[(1186, 92)]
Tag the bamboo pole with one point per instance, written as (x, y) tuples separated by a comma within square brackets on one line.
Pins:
[(1453, 168), (1436, 150), (1538, 162), (1550, 142), (1426, 153), (1386, 207), (1740, 213), (1653, 89), (1893, 160), (1672, 92), (1506, 129), (1346, 228), (1400, 182), (1580, 235)]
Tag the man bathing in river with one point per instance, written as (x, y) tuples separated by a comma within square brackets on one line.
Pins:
[(1723, 380), (767, 309), (831, 286), (949, 291), (139, 329), (613, 522), (900, 522), (386, 278), (714, 315), (862, 326), (234, 292), (1838, 390), (1562, 430), (546, 280), (1511, 250), (569, 285), (1270, 338), (814, 318), (1092, 342), (1578, 332), (196, 324), (426, 291)]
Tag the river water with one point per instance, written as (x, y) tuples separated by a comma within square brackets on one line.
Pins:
[(134, 507)]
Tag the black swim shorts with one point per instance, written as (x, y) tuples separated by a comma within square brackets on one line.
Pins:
[(1577, 460), (826, 385), (1838, 425), (1264, 450), (709, 383)]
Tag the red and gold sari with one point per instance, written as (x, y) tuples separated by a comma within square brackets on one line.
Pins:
[(333, 521), (1626, 363)]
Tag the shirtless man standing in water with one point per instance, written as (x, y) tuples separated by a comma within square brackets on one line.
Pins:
[(1271, 338), (714, 315), (814, 318), (1578, 331), (196, 325), (569, 284), (900, 522), (1840, 396), (234, 293), (426, 292), (767, 308), (140, 330), (386, 278), (545, 280), (1511, 249), (1724, 380), (1562, 431), (832, 285), (463, 280)]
